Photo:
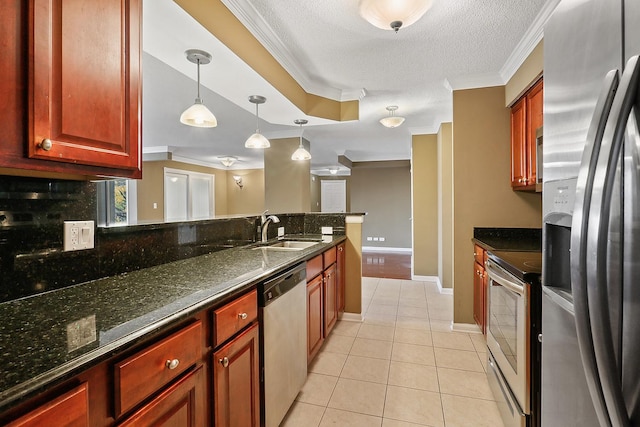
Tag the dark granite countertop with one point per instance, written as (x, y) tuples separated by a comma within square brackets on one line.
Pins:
[(508, 239), (33, 331)]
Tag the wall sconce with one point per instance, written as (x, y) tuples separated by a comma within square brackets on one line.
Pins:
[(238, 180)]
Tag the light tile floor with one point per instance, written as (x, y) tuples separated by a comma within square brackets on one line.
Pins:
[(401, 367)]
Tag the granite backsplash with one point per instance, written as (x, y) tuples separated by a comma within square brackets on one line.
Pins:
[(32, 212)]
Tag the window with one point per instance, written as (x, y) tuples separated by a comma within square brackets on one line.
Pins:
[(116, 202)]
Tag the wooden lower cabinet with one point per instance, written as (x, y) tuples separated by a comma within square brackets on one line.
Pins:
[(315, 326), (182, 404), (69, 410), (236, 381), (340, 277), (330, 287)]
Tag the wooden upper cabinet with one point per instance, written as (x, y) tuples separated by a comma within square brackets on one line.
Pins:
[(518, 142), (526, 119), (84, 83)]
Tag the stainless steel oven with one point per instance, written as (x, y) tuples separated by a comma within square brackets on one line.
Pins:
[(508, 335)]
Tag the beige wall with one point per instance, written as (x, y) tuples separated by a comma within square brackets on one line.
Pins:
[(353, 261), (151, 188), (445, 205), (424, 185), (286, 181), (526, 75), (248, 200), (481, 180), (383, 190)]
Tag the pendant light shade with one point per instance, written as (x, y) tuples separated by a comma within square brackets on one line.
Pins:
[(198, 114), (301, 153), (257, 140), (393, 14), (392, 121)]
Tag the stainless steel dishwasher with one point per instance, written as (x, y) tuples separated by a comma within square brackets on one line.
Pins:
[(283, 308)]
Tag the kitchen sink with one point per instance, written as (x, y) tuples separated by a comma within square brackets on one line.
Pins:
[(288, 245)]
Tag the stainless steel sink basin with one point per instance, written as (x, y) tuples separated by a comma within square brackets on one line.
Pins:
[(288, 245)]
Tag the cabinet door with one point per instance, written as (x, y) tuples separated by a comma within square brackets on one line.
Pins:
[(479, 296), (84, 82), (182, 404), (68, 410), (330, 299), (315, 336), (518, 143), (236, 381), (340, 277), (534, 121)]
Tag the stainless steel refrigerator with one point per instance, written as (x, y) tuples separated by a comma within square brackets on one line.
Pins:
[(591, 215)]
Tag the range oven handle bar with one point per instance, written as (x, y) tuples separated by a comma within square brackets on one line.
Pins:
[(498, 275), (580, 220), (597, 241)]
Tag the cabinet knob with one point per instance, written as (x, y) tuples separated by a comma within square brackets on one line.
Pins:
[(172, 364), (242, 316), (46, 144), (224, 362), (340, 248)]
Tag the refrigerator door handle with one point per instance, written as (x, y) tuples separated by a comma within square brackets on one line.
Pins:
[(597, 244), (584, 188)]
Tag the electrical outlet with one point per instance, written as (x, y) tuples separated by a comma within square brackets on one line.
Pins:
[(81, 332), (280, 231), (327, 230), (375, 239), (369, 239), (382, 239), (78, 235)]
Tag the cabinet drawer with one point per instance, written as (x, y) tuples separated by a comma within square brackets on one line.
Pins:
[(314, 267), (150, 369), (478, 254), (68, 410), (329, 257), (234, 316)]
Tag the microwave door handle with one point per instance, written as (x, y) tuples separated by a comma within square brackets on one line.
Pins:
[(597, 239), (580, 220)]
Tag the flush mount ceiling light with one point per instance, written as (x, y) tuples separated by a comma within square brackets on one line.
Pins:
[(228, 161), (301, 153), (198, 115), (333, 171), (257, 140), (392, 121), (393, 14)]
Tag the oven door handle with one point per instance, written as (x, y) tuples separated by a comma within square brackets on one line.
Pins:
[(497, 275)]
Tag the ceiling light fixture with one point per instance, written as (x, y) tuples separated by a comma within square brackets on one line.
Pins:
[(257, 140), (301, 153), (392, 121), (228, 161), (393, 14), (198, 115), (333, 171)]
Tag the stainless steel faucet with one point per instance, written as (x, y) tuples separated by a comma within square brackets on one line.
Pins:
[(265, 223)]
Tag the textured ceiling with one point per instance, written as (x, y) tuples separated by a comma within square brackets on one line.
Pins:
[(331, 51)]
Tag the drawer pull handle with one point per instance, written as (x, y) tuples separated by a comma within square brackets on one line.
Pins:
[(242, 316), (46, 144), (224, 362), (172, 364)]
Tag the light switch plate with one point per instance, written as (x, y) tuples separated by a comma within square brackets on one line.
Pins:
[(79, 235), (280, 231)]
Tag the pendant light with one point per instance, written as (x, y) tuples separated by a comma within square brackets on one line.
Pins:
[(392, 121), (198, 114), (393, 14), (301, 153), (257, 140)]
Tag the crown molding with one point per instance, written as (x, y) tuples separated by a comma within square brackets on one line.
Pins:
[(249, 17), (473, 81), (529, 41)]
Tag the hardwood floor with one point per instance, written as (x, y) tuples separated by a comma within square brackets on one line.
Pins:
[(386, 265)]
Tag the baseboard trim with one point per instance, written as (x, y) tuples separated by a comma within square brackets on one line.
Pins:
[(470, 328), (446, 291), (383, 249), (351, 317)]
